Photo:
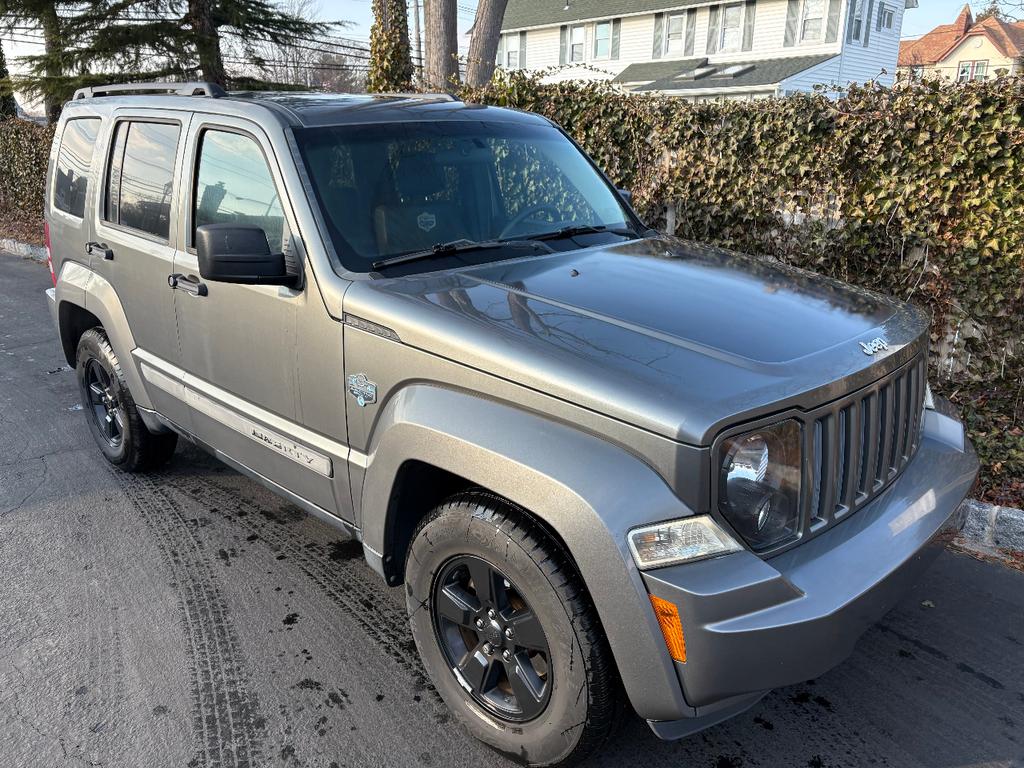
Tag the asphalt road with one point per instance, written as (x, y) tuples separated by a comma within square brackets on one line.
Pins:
[(191, 618)]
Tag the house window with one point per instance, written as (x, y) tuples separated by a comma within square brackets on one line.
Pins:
[(512, 51), (732, 28), (674, 34), (857, 28), (812, 21), (577, 43), (971, 70), (886, 17), (602, 40), (917, 73)]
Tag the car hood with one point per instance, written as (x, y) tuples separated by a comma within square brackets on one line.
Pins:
[(675, 338)]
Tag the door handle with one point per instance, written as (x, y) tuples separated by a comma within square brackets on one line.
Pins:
[(187, 284), (102, 248)]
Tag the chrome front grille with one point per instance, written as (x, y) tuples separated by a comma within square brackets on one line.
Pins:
[(859, 444)]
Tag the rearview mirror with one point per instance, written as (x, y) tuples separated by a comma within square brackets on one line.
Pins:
[(239, 253)]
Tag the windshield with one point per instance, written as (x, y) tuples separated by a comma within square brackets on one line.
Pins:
[(399, 188)]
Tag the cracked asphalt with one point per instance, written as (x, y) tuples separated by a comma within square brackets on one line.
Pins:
[(191, 618)]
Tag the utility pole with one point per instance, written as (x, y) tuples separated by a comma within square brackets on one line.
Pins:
[(417, 64)]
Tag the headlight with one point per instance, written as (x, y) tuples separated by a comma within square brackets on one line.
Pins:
[(759, 484), (679, 541)]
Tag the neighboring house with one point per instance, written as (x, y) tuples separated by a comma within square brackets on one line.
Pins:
[(700, 49), (965, 50)]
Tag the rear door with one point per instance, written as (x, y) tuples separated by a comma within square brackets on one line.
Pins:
[(135, 234)]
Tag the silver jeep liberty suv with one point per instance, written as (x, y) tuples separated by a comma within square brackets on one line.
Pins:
[(606, 466)]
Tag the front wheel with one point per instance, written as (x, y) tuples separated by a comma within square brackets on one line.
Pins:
[(508, 634)]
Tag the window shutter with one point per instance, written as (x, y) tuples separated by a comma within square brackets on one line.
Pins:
[(616, 30), (592, 28), (659, 36), (691, 31), (563, 44), (832, 30), (748, 24), (792, 22), (849, 20), (501, 52), (866, 23), (881, 11), (714, 17), (522, 50)]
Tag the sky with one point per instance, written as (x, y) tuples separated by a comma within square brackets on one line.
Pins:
[(916, 22)]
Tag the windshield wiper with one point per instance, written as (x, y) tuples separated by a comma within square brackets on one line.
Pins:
[(451, 247), (583, 229)]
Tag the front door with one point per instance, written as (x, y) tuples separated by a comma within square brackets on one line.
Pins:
[(238, 342), (134, 243)]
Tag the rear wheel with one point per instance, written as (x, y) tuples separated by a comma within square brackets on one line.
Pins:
[(110, 410), (508, 634)]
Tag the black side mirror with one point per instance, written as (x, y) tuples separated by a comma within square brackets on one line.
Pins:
[(239, 253), (626, 195)]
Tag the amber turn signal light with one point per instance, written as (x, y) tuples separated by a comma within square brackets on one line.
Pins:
[(671, 627)]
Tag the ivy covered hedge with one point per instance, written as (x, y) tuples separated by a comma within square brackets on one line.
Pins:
[(915, 192), (25, 150)]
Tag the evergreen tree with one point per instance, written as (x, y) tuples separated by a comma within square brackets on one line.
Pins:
[(139, 40), (390, 57), (8, 107), (47, 68)]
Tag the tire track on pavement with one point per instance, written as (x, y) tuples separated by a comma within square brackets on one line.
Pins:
[(226, 718)]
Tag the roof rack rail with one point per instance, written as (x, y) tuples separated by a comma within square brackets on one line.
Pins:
[(420, 95), (179, 89)]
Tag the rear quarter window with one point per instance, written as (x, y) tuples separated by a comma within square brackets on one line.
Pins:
[(74, 161)]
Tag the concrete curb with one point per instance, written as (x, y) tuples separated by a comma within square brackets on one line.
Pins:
[(990, 527), (24, 250)]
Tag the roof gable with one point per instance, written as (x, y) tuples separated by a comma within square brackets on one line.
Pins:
[(1007, 37)]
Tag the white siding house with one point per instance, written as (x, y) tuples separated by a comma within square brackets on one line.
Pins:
[(700, 49)]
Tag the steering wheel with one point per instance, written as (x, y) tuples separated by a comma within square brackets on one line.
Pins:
[(525, 214)]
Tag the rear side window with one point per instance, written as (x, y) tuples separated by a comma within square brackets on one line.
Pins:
[(234, 186), (140, 182), (71, 182)]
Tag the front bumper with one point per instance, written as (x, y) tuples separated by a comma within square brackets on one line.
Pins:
[(752, 625)]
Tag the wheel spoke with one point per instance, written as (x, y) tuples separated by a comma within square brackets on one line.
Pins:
[(526, 685), (489, 585), (527, 630), (118, 420), (96, 393), (107, 423), (457, 605), (477, 670)]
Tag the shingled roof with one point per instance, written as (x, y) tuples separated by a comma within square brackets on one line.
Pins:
[(693, 75), (1006, 36), (541, 13)]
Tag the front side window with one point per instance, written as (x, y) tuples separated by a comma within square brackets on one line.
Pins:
[(74, 159), (395, 188), (812, 21), (578, 43), (141, 177), (674, 34), (602, 40), (732, 27), (234, 186)]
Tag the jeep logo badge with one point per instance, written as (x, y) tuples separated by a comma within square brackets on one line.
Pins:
[(426, 221), (873, 346), (362, 389)]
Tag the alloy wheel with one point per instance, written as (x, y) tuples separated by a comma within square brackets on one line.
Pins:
[(493, 641), (106, 411)]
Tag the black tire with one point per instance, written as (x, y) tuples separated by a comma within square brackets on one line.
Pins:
[(582, 703), (110, 410)]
